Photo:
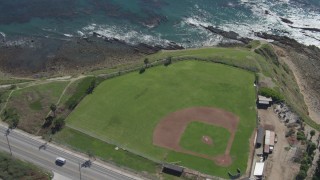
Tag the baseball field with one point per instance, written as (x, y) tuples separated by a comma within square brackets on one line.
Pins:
[(196, 114)]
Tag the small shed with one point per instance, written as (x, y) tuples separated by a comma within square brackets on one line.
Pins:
[(260, 135), (264, 102), (263, 98), (258, 169), (172, 169)]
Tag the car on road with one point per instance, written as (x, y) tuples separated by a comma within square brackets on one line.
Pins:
[(60, 161)]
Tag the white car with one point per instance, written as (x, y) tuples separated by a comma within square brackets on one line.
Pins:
[(60, 161)]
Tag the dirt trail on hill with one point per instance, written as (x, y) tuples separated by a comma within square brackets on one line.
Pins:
[(311, 102)]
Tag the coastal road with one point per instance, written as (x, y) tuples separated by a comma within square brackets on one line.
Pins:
[(26, 147)]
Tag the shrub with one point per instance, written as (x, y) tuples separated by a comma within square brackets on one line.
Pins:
[(58, 125), (301, 175), (304, 167), (86, 86), (11, 116), (268, 92), (168, 61), (11, 168), (142, 70), (267, 52), (301, 136)]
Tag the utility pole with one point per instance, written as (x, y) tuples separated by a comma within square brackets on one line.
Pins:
[(7, 134)]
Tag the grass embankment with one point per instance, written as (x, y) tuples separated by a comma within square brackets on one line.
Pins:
[(32, 104), (238, 57), (126, 109), (11, 168), (84, 143), (192, 139), (79, 92)]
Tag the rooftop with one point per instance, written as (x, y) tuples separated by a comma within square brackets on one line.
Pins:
[(263, 98), (258, 169)]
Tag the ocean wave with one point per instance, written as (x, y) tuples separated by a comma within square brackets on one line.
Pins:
[(68, 35), (20, 42), (80, 33), (3, 34), (126, 34), (56, 32)]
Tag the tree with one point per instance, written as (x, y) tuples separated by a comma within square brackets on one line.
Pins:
[(58, 124), (312, 133), (14, 121), (311, 147), (146, 62), (53, 108), (48, 121)]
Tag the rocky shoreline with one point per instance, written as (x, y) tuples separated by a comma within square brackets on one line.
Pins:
[(37, 55)]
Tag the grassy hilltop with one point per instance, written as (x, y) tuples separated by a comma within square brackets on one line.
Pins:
[(123, 111)]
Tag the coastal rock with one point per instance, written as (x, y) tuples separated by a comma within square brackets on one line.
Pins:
[(227, 34), (286, 20), (307, 29)]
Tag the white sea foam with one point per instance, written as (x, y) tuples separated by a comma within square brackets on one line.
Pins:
[(81, 33), (3, 34), (193, 35), (196, 21), (68, 35), (20, 42), (126, 34), (272, 21)]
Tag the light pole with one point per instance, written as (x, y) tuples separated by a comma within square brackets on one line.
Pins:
[(7, 134), (80, 169)]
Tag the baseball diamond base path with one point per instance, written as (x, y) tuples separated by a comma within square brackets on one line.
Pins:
[(168, 132)]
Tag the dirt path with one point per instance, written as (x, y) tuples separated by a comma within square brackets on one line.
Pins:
[(5, 105), (278, 164), (72, 80)]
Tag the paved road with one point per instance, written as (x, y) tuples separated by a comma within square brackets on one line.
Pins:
[(27, 148)]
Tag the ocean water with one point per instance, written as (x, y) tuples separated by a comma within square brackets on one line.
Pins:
[(158, 21)]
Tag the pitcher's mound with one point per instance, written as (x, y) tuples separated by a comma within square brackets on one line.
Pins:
[(206, 140)]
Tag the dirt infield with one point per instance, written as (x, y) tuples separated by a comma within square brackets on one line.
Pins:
[(168, 132)]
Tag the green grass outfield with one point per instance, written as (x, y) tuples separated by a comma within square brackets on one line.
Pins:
[(126, 109), (192, 139)]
